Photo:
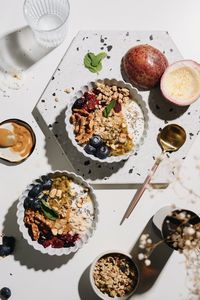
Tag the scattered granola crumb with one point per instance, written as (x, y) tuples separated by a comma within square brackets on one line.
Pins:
[(67, 90)]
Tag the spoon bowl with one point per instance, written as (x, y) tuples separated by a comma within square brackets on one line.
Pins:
[(171, 138)]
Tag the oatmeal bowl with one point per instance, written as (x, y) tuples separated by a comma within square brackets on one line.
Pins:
[(114, 275), (107, 120), (57, 213)]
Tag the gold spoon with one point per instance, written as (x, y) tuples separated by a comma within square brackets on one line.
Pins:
[(171, 138)]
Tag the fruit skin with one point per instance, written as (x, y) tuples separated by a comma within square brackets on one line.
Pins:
[(78, 103), (103, 151), (8, 246), (28, 202), (46, 182), (189, 63), (36, 189), (96, 141), (89, 149), (5, 250), (36, 205), (5, 292), (144, 66)]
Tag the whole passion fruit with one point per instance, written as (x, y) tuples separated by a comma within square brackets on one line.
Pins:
[(180, 82), (144, 66)]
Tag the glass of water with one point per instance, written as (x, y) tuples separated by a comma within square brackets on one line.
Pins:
[(48, 19)]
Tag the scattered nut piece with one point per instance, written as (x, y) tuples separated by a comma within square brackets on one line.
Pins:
[(67, 90)]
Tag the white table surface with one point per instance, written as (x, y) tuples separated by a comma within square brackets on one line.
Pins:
[(32, 275)]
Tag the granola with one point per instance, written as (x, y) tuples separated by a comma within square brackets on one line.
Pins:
[(115, 275)]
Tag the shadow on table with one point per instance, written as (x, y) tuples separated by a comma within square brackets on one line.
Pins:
[(162, 108), (19, 51), (148, 275), (26, 254), (159, 257), (72, 160), (85, 290)]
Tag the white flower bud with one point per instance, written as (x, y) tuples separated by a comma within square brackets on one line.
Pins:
[(147, 262), (187, 243), (189, 231), (140, 256)]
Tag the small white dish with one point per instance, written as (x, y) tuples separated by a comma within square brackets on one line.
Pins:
[(139, 128), (11, 154), (83, 238), (97, 290)]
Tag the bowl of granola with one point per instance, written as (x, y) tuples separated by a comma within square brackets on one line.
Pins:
[(107, 120), (114, 274), (57, 213)]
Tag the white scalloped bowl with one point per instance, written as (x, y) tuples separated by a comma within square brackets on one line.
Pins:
[(140, 126), (49, 250)]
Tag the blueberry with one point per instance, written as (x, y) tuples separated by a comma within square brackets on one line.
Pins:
[(36, 204), (9, 241), (5, 250), (47, 184), (28, 202), (5, 292), (102, 152), (90, 149), (78, 103), (36, 189), (96, 141)]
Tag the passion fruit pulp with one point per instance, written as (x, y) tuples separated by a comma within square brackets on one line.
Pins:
[(180, 83)]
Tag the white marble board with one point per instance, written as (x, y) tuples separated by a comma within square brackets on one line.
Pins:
[(71, 73)]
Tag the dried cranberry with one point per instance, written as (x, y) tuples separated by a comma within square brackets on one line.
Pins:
[(46, 243), (91, 101), (66, 237), (69, 239), (76, 237), (90, 96), (57, 243), (118, 107)]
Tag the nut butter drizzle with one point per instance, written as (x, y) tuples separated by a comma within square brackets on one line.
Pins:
[(24, 141), (7, 138)]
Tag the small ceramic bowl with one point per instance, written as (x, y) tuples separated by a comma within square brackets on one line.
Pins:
[(139, 126), (90, 208), (11, 154), (114, 253), (165, 221)]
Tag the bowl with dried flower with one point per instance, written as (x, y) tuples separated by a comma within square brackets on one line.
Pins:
[(57, 213), (114, 275), (107, 120), (181, 230)]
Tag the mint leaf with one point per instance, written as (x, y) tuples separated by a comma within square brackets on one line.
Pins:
[(87, 61), (96, 59), (49, 212), (101, 56), (93, 62), (108, 108)]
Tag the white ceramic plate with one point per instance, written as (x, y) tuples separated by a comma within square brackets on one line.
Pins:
[(83, 238), (139, 127)]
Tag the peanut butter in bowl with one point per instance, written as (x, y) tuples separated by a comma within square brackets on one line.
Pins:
[(17, 140)]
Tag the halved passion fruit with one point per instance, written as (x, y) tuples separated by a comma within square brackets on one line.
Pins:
[(180, 83)]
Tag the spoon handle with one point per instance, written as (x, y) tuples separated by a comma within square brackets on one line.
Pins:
[(142, 189)]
